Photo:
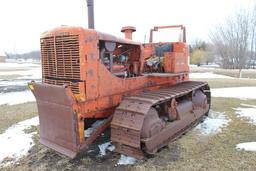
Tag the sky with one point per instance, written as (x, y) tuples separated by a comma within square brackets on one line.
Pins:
[(22, 21)]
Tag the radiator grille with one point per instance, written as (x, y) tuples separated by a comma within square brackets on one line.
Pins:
[(60, 60)]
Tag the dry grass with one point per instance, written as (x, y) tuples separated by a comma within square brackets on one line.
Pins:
[(10, 115), (190, 152), (210, 153)]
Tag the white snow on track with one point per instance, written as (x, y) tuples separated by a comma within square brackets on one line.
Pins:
[(13, 98), (235, 92), (213, 123), (247, 111), (248, 146), (14, 142), (208, 75)]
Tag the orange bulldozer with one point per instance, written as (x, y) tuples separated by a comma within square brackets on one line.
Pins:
[(142, 91)]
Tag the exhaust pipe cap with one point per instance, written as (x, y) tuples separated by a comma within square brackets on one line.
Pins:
[(128, 30)]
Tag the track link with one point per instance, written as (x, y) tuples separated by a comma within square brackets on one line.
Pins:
[(129, 117)]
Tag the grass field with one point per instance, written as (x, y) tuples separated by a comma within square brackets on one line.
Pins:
[(190, 152), (10, 115), (215, 152)]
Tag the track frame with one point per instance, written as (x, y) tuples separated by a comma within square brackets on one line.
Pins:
[(129, 118)]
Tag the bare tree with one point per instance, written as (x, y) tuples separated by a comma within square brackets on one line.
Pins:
[(209, 54), (198, 44), (231, 40), (252, 59), (29, 55), (220, 40)]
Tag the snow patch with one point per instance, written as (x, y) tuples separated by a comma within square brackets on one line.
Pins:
[(14, 142), (208, 75), (248, 105), (4, 83), (248, 146), (89, 131), (27, 71), (13, 98), (125, 160), (25, 74), (106, 146), (235, 92), (13, 65), (103, 148), (32, 74), (248, 111), (111, 148), (213, 123)]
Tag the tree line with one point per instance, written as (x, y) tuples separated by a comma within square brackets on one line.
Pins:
[(28, 55), (232, 43)]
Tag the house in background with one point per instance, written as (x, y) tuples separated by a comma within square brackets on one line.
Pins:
[(2, 56)]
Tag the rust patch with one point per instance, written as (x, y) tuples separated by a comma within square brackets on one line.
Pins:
[(90, 73), (57, 119), (134, 123)]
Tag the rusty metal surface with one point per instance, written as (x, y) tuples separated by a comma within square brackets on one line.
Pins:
[(72, 56), (77, 49), (170, 132), (96, 133), (128, 150), (58, 122), (152, 124), (156, 28), (61, 60), (128, 30), (130, 116)]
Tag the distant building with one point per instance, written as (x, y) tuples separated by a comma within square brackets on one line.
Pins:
[(2, 57)]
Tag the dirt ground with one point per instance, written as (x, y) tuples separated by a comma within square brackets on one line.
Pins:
[(192, 151)]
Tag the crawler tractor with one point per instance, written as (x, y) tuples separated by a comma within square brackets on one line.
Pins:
[(142, 91)]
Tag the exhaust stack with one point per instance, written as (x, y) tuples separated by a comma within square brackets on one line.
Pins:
[(128, 30), (90, 8)]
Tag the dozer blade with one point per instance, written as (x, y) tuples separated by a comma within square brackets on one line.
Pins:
[(58, 128)]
